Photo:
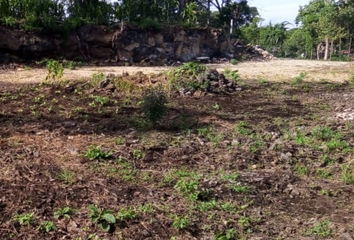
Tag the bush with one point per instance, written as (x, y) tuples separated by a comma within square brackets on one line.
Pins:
[(154, 103), (233, 61)]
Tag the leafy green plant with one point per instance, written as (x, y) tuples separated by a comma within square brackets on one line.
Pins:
[(103, 217), (299, 79), (47, 226), (243, 128), (229, 234), (347, 174), (66, 176), (96, 78), (188, 188), (180, 222), (233, 61), (95, 152), (55, 70), (64, 212), (102, 100), (154, 104), (126, 214), (24, 218), (301, 170), (230, 177), (321, 229), (232, 75), (120, 141)]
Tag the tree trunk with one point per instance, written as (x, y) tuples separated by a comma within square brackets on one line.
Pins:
[(318, 50), (326, 49), (332, 49), (350, 45), (340, 47)]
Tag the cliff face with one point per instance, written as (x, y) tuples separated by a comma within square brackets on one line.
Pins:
[(114, 45)]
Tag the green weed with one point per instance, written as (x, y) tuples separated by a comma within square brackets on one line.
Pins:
[(47, 226), (65, 212), (321, 229), (104, 218), (66, 176), (188, 188), (24, 218), (228, 234), (154, 104), (180, 222), (299, 79), (126, 214), (95, 152)]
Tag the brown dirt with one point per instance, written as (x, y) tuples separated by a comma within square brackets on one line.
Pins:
[(291, 176)]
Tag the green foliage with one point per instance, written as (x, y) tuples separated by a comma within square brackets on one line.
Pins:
[(232, 75), (243, 128), (233, 61), (321, 229), (103, 217), (185, 77), (24, 218), (180, 222), (96, 78), (126, 214), (64, 212), (55, 70), (228, 234), (95, 152), (154, 104), (47, 226), (189, 188), (299, 79), (66, 176)]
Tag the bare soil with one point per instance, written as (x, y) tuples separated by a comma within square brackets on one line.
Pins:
[(272, 161)]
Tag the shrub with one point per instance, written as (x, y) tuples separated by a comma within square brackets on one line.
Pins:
[(154, 103), (233, 61)]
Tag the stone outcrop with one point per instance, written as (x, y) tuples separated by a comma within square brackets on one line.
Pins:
[(119, 45)]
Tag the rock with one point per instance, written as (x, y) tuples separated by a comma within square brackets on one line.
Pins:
[(104, 83)]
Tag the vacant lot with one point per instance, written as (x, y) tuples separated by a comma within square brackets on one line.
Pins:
[(271, 160)]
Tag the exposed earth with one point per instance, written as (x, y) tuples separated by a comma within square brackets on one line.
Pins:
[(272, 160)]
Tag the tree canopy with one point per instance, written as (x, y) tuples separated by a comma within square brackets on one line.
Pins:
[(51, 15)]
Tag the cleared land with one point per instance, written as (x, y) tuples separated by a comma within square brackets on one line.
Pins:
[(272, 160)]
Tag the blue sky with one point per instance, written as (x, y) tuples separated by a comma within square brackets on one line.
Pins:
[(278, 11)]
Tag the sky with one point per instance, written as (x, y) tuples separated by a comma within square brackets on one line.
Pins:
[(278, 11)]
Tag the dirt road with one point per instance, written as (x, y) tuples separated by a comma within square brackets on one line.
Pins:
[(275, 70)]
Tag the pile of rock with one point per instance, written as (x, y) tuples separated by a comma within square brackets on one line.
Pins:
[(210, 81)]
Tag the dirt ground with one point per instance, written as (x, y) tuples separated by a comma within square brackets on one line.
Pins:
[(276, 70), (272, 160)]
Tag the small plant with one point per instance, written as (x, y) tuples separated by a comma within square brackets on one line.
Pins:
[(232, 75), (64, 212), (55, 70), (96, 78), (24, 218), (347, 174), (263, 81), (321, 229), (126, 214), (66, 176), (243, 128), (299, 79), (188, 188), (230, 177), (238, 188), (300, 169), (138, 154), (95, 152), (120, 141), (154, 104), (323, 133), (233, 61), (47, 226), (229, 234), (104, 218), (102, 100), (180, 222)]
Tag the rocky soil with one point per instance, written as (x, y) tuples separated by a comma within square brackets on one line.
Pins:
[(270, 161)]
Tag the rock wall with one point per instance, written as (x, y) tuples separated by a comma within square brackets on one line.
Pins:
[(118, 45)]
